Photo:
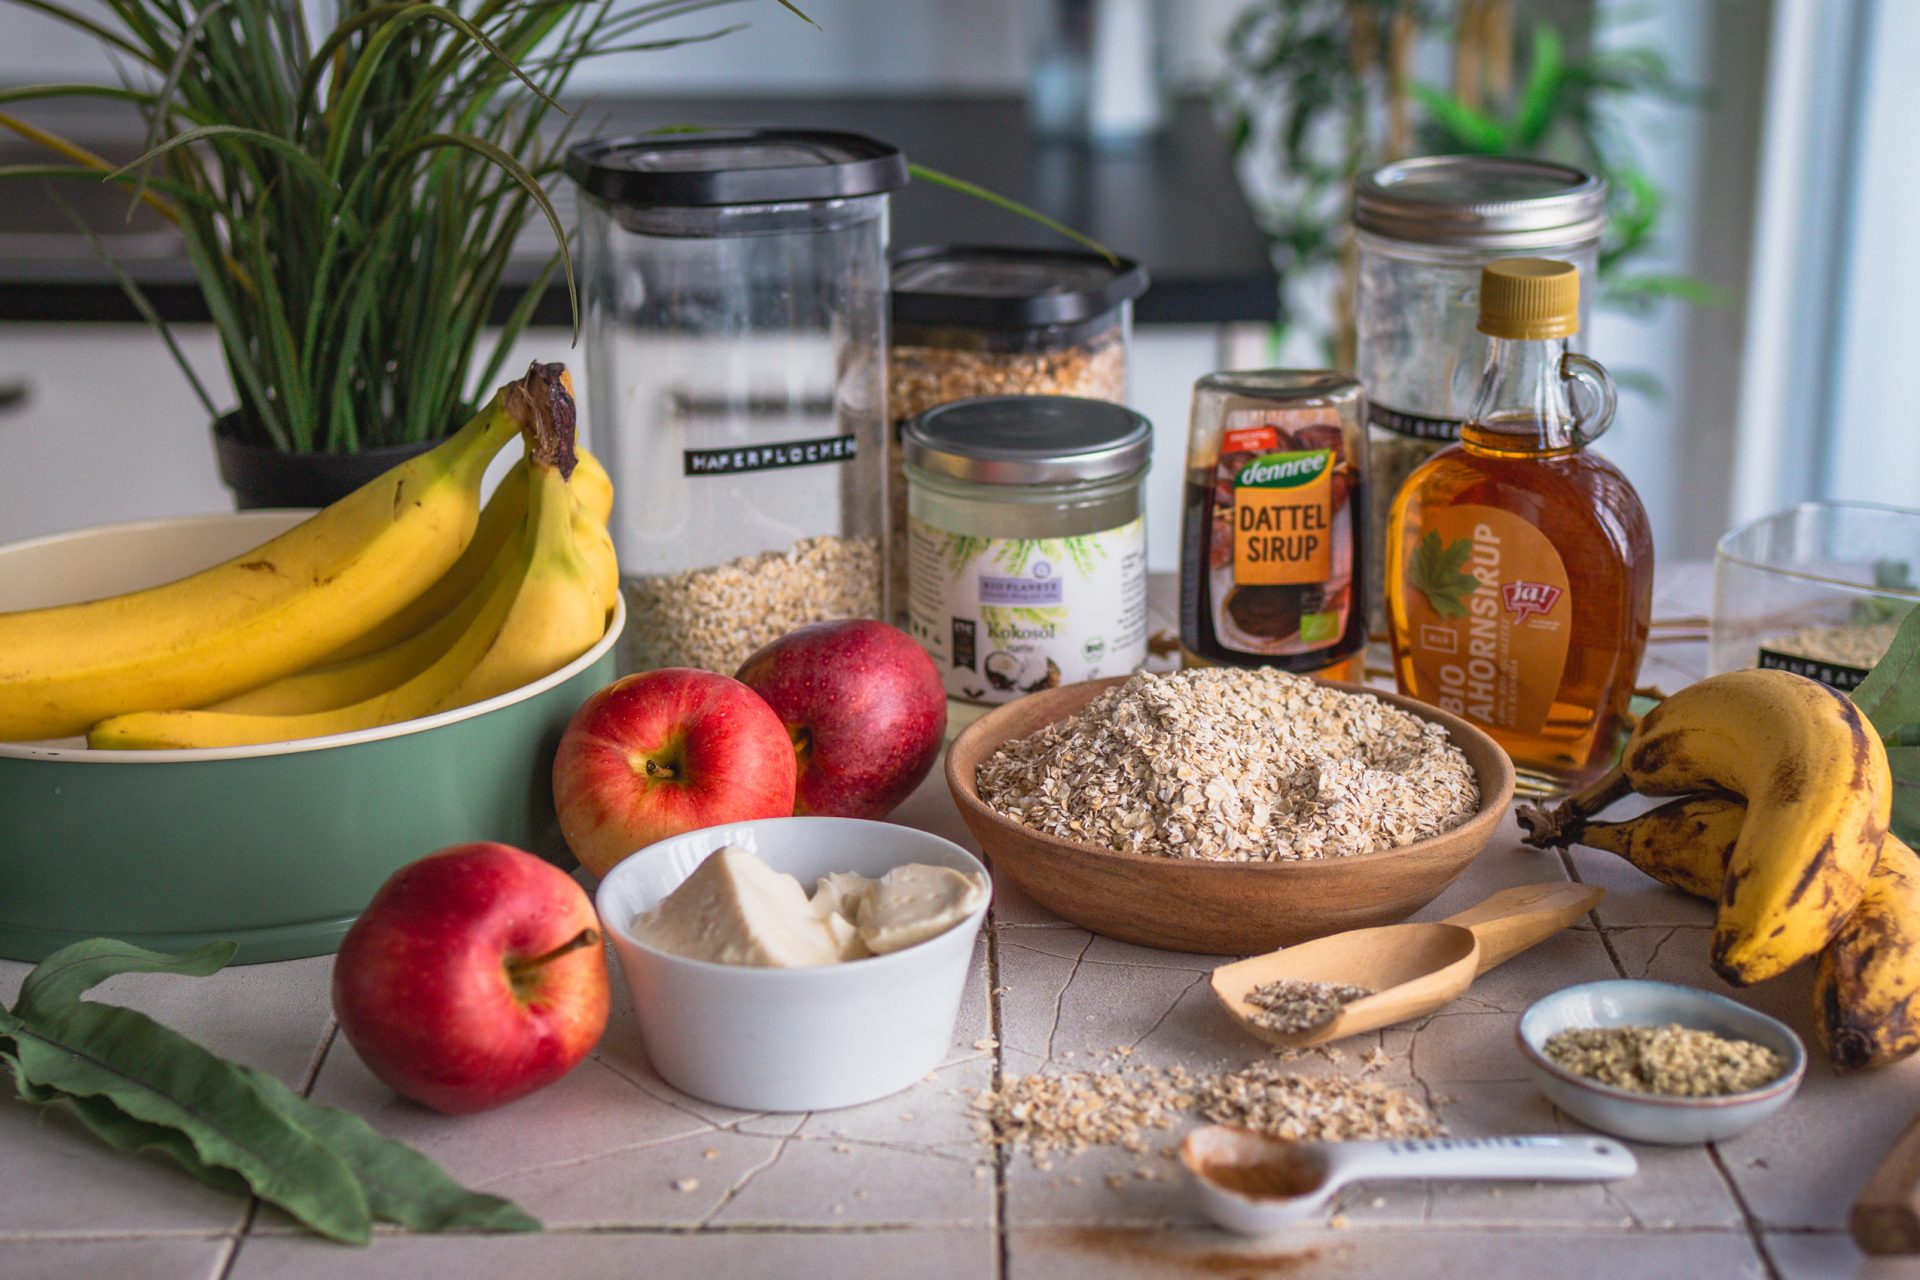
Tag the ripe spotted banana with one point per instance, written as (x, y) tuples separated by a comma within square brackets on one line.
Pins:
[(1684, 843), (1866, 993), (592, 489), (538, 610), (1815, 781), (343, 683), (275, 609)]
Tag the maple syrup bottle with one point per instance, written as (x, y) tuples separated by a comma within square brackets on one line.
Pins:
[(1519, 563)]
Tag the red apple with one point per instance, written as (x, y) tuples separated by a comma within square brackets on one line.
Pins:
[(474, 976), (663, 752), (866, 710)]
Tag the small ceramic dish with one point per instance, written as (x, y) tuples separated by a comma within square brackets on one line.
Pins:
[(792, 1039), (1648, 1117)]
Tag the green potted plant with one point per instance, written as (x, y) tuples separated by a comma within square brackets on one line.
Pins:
[(1317, 90), (349, 199)]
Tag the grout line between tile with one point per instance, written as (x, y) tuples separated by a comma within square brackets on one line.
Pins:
[(1755, 1232), (1573, 874), (224, 1263), (312, 1075), (998, 1217), (246, 1229)]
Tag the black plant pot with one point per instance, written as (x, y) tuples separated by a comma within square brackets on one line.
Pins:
[(263, 476)]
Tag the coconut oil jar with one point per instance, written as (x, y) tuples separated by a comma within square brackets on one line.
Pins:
[(1027, 549)]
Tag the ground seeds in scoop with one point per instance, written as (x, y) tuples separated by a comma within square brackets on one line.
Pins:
[(1294, 1005), (1674, 1060), (1234, 766)]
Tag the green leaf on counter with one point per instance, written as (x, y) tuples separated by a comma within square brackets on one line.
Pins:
[(1904, 763), (158, 1077), (141, 1086), (1436, 573), (402, 1186), (62, 978)]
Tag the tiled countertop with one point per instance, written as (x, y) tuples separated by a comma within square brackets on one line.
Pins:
[(902, 1187)]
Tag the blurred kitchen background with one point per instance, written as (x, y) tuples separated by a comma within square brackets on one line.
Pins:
[(1763, 314)]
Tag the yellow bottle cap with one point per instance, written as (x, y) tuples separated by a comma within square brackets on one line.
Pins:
[(1529, 298)]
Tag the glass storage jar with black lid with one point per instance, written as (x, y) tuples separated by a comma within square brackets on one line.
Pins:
[(1423, 229), (993, 320), (1028, 542), (736, 317)]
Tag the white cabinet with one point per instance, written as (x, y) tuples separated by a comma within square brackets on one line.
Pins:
[(108, 429)]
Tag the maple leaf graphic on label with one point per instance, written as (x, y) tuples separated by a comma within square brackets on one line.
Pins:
[(1435, 572)]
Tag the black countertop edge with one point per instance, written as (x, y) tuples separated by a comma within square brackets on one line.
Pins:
[(1174, 204), (1182, 302)]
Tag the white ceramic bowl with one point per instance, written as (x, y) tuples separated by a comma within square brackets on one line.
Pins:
[(792, 1039), (1646, 1117)]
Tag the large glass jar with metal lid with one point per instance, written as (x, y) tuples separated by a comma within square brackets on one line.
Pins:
[(736, 304), (1423, 229), (989, 320), (1028, 542)]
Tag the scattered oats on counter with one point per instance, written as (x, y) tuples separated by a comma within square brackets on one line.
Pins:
[(1315, 1108), (1234, 766), (1677, 1061), (717, 617), (1294, 1005), (1065, 1113)]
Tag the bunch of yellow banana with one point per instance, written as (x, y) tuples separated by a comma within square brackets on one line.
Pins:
[(1782, 821), (402, 599)]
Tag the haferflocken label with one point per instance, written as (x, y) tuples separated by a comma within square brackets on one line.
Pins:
[(1004, 617), (1838, 675)]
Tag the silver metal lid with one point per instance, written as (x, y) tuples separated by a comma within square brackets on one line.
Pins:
[(1492, 202), (1028, 440)]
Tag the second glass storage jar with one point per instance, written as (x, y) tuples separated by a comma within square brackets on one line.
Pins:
[(1029, 549), (1422, 230), (993, 320), (736, 302)]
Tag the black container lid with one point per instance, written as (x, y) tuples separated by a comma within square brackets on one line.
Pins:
[(719, 167), (979, 286), (1028, 440)]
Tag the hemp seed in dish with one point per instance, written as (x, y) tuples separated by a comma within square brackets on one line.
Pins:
[(1294, 1005), (1234, 765), (1677, 1061)]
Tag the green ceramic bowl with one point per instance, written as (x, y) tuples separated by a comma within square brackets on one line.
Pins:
[(276, 847)]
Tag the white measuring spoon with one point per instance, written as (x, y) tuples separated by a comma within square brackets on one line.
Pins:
[(1260, 1186)]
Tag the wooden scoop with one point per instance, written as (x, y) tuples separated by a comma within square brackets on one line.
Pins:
[(1412, 969), (1886, 1217)]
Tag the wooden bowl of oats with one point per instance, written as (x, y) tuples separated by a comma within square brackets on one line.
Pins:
[(1156, 816)]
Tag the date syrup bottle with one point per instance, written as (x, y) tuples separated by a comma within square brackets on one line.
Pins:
[(1519, 562)]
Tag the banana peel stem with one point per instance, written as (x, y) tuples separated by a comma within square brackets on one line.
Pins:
[(1560, 826), (543, 406)]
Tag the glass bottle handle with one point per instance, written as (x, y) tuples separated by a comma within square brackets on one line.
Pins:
[(1590, 426)]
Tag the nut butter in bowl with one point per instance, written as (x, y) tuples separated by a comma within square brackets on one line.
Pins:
[(796, 964)]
